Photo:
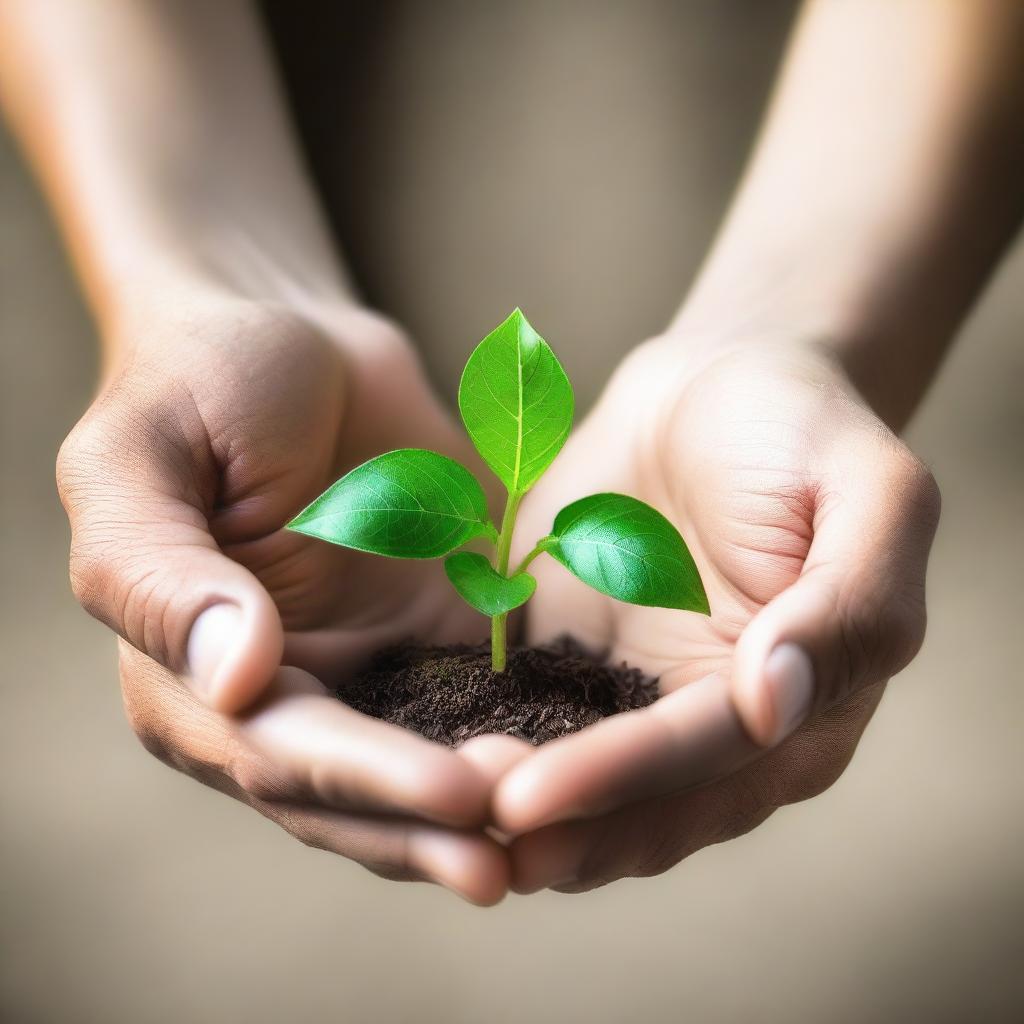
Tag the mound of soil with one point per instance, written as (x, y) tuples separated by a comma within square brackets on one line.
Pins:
[(449, 694)]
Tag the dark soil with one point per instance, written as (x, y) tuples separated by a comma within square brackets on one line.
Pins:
[(449, 694)]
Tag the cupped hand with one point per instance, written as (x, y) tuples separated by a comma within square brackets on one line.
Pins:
[(221, 422), (810, 522)]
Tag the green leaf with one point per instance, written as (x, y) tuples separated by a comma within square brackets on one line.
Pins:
[(485, 589), (629, 551), (516, 403), (408, 503)]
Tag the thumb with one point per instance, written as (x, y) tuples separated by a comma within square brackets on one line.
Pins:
[(144, 562), (856, 614)]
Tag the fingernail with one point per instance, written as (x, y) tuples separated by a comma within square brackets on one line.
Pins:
[(214, 637), (789, 682)]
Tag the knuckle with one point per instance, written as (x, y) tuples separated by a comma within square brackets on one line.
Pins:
[(147, 731), (140, 607), (576, 888), (157, 734), (662, 852), (324, 786), (247, 776), (912, 482), (927, 497), (168, 723), (664, 840), (300, 827), (859, 636), (735, 826), (906, 622), (90, 578), (257, 778), (818, 771), (97, 567), (113, 569), (879, 635), (749, 796), (393, 872), (813, 759), (608, 858), (78, 459), (312, 839), (121, 587), (402, 864), (684, 825), (84, 488), (649, 846), (99, 438), (742, 803), (141, 704), (806, 767), (67, 460)]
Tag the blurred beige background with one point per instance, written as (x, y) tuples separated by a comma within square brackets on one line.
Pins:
[(131, 894)]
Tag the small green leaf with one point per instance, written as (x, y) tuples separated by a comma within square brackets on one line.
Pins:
[(408, 503), (516, 403), (629, 551), (485, 589)]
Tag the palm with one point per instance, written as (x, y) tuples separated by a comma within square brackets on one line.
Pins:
[(720, 463), (739, 455), (304, 414)]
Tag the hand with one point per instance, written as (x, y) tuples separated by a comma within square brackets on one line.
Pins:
[(218, 427), (810, 523)]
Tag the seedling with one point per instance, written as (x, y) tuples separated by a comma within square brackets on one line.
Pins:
[(517, 407)]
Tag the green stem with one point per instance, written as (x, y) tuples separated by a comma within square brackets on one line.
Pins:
[(544, 544), (498, 642), (504, 547)]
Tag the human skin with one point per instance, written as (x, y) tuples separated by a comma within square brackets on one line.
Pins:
[(762, 423), (811, 527), (242, 376)]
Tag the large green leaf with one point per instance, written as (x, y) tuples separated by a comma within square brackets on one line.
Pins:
[(484, 588), (408, 503), (629, 551), (516, 403)]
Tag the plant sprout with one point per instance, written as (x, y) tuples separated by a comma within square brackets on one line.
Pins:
[(517, 406)]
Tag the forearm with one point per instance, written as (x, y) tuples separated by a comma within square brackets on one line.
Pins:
[(159, 134), (884, 187)]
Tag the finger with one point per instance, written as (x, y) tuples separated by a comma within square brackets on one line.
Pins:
[(686, 738), (493, 755), (329, 754), (300, 745), (652, 836), (638, 841), (470, 865), (856, 614), (136, 479)]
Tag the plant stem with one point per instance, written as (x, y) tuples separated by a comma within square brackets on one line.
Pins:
[(498, 642), (504, 547), (544, 544)]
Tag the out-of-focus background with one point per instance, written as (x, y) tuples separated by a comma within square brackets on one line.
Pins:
[(573, 158)]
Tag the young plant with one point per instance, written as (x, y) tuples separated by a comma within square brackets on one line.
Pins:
[(517, 407)]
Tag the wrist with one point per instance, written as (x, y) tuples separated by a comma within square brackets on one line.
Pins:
[(173, 316), (869, 308), (213, 267), (697, 345), (179, 292), (851, 348)]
